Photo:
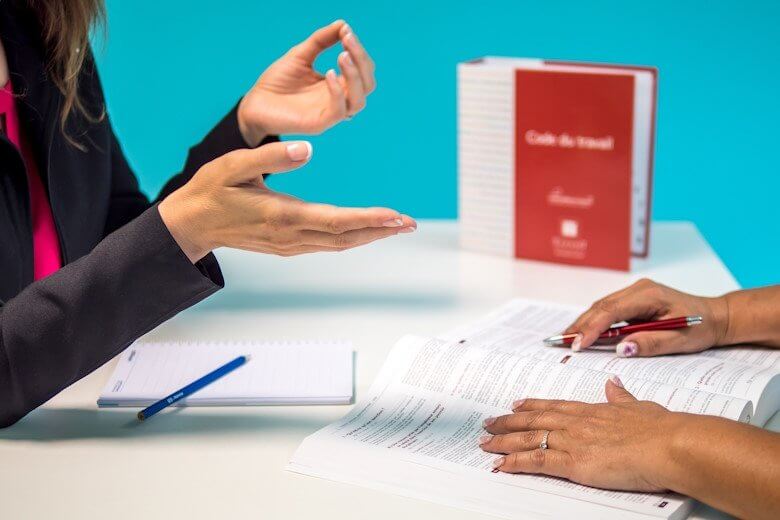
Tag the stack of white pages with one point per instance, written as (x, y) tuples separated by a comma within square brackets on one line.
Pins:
[(416, 432), (277, 373)]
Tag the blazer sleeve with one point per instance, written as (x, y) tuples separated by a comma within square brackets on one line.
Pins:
[(61, 328), (127, 200)]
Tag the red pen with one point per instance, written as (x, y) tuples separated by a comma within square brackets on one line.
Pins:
[(622, 330)]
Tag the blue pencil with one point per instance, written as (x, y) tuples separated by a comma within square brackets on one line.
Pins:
[(192, 387)]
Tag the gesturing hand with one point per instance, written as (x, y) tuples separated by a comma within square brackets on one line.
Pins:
[(292, 97), (648, 300), (621, 444), (226, 203)]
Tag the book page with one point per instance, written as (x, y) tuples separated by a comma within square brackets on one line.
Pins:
[(497, 378), (528, 321), (685, 371), (759, 356), (520, 326), (427, 407)]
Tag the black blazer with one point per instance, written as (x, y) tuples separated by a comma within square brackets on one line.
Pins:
[(123, 274)]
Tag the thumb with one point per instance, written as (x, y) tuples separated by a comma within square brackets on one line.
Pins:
[(649, 343), (249, 165), (616, 392)]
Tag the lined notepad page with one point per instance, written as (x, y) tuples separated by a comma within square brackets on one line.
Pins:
[(277, 373)]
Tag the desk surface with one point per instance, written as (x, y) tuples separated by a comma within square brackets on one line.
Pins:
[(69, 460)]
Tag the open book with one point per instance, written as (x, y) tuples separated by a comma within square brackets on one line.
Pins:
[(416, 432)]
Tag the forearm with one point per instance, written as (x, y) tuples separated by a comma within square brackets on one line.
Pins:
[(728, 465), (753, 317), (60, 328)]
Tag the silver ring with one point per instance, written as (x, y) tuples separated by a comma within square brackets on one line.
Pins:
[(543, 444)]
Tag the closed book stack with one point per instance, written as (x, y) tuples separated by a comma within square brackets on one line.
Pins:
[(555, 160)]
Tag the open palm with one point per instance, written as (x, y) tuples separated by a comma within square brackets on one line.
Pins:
[(292, 97)]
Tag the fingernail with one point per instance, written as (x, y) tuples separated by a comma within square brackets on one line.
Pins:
[(349, 37), (347, 58), (627, 349), (346, 28), (299, 151), (331, 74), (616, 381), (576, 345), (517, 404), (484, 439), (487, 422), (393, 222), (499, 462), (407, 230)]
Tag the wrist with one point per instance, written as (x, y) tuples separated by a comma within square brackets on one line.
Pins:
[(669, 463), (252, 132), (185, 223), (721, 321)]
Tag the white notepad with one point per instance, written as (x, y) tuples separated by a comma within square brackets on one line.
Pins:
[(278, 373)]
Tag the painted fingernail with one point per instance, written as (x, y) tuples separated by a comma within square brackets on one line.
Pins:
[(409, 229), (616, 381), (484, 439), (393, 222), (487, 422), (576, 345), (627, 349), (299, 151), (499, 462), (517, 404)]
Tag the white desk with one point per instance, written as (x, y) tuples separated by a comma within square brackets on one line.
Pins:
[(69, 460)]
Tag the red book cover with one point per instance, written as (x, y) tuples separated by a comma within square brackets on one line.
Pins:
[(573, 167)]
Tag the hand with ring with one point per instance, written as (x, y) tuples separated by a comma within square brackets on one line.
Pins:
[(614, 445)]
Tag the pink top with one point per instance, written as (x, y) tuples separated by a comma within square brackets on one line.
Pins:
[(46, 245)]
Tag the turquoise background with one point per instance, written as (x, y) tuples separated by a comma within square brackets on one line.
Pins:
[(171, 69)]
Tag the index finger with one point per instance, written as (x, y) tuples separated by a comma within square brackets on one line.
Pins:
[(320, 40), (552, 405), (627, 304), (363, 61), (337, 220), (524, 421)]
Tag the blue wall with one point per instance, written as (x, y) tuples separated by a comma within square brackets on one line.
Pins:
[(717, 161)]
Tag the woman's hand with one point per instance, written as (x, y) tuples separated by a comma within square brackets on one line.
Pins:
[(226, 203), (648, 300), (623, 444), (633, 445), (292, 97)]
